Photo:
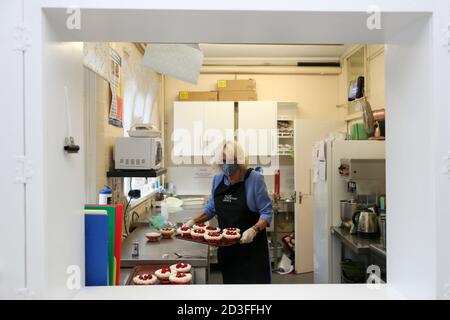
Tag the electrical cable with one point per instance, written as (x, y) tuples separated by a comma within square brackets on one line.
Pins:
[(125, 217), (126, 209)]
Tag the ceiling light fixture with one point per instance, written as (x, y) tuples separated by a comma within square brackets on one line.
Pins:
[(181, 61)]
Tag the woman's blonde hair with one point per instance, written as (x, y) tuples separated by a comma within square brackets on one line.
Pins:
[(233, 153)]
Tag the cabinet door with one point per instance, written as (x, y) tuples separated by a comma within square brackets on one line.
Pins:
[(257, 125), (218, 125), (188, 126)]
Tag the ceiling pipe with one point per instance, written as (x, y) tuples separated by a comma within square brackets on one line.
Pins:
[(270, 70)]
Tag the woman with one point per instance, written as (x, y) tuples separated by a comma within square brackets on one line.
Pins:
[(239, 199)]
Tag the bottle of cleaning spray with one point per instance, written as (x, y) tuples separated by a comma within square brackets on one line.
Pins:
[(105, 196)]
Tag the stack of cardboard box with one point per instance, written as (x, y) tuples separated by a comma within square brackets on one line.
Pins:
[(197, 96), (237, 90), (228, 90)]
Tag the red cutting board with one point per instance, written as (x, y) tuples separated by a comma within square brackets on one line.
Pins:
[(118, 240)]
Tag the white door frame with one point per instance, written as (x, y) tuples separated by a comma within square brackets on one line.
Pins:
[(16, 167), (42, 31)]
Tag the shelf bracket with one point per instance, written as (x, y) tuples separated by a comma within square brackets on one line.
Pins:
[(24, 170), (22, 38)]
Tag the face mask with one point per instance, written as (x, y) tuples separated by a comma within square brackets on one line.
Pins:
[(229, 169)]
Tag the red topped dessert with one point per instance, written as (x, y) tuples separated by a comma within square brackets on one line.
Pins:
[(180, 278), (199, 226), (153, 236), (232, 229), (144, 279), (212, 229), (167, 232), (184, 231), (197, 234), (181, 267), (213, 237), (163, 274), (231, 236)]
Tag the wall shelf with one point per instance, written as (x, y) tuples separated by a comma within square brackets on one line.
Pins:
[(347, 104), (378, 115), (136, 173)]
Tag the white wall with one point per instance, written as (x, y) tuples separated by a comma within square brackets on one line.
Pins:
[(64, 184)]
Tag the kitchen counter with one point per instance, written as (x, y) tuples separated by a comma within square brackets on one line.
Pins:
[(162, 252), (152, 252), (356, 244)]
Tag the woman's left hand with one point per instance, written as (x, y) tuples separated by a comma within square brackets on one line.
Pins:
[(248, 235)]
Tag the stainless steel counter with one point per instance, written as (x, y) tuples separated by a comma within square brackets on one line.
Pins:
[(377, 248), (356, 244), (197, 255), (152, 252)]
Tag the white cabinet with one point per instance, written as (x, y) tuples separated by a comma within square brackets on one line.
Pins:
[(257, 123), (199, 127), (218, 125)]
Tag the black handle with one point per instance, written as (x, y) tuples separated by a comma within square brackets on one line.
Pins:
[(354, 219)]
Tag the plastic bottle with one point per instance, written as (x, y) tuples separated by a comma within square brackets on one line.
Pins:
[(164, 210), (105, 196)]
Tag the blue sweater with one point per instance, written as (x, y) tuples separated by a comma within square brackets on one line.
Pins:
[(258, 199)]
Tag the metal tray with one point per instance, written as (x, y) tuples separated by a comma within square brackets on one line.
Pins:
[(222, 243), (151, 268)]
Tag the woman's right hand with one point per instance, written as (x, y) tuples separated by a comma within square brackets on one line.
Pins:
[(189, 224)]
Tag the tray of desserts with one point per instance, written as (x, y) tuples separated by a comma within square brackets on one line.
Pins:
[(159, 274), (201, 233)]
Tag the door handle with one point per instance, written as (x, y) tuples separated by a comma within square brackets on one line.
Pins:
[(300, 198)]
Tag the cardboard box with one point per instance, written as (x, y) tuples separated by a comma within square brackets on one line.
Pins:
[(197, 96), (236, 85), (238, 95)]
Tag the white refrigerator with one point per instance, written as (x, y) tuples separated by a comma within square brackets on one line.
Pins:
[(328, 189)]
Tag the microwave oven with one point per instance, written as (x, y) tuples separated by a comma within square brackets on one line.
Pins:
[(141, 153)]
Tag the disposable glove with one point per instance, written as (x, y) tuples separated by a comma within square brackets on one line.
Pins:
[(248, 235), (189, 224)]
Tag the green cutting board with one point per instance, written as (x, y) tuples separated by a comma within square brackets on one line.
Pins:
[(111, 210)]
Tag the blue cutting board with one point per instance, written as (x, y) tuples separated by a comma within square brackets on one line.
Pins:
[(96, 249)]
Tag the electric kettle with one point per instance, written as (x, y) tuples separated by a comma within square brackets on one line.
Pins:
[(366, 223)]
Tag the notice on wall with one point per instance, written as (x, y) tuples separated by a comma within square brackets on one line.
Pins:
[(203, 173), (116, 110)]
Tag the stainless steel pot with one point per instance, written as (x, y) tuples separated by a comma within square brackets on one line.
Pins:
[(348, 209)]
